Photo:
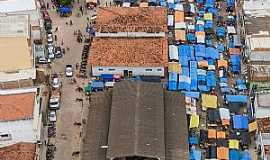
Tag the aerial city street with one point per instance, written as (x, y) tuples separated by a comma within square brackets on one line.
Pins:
[(134, 80)]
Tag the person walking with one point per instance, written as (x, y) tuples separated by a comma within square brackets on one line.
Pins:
[(55, 37), (62, 43)]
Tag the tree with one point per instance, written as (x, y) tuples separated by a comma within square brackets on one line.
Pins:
[(65, 2)]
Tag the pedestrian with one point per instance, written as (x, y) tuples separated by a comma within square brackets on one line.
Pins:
[(110, 3), (62, 43), (55, 37), (106, 4), (70, 22), (48, 5), (81, 9), (87, 18), (56, 29)]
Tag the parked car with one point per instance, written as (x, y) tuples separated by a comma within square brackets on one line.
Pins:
[(49, 38), (52, 116), (51, 52), (69, 70), (58, 52), (56, 83), (54, 102), (42, 60)]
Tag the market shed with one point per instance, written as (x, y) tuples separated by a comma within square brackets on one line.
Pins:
[(137, 121)]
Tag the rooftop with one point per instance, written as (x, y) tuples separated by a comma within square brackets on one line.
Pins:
[(131, 19), (139, 131), (261, 72), (17, 106), (19, 151), (263, 124), (15, 54), (7, 6), (132, 52), (14, 26), (260, 44)]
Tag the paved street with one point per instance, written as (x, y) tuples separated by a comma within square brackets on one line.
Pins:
[(68, 134)]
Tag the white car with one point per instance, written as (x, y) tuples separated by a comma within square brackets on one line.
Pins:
[(69, 70), (51, 52), (54, 103), (42, 60), (52, 116), (56, 83), (49, 38)]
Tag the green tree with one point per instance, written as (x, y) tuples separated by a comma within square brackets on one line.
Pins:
[(65, 2)]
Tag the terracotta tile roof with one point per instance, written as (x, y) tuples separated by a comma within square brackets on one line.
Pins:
[(16, 106), (147, 52), (131, 19), (263, 124), (19, 151)]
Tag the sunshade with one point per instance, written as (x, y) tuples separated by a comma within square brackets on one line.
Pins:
[(174, 67), (208, 16), (209, 101), (252, 126), (223, 153), (212, 133), (194, 121), (233, 144), (222, 63), (234, 51), (203, 64), (179, 16), (221, 135), (180, 35), (240, 122)]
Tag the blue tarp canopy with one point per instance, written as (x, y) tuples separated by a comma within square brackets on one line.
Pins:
[(65, 10), (236, 62), (211, 79), (237, 98), (199, 50), (225, 90), (240, 122), (220, 31), (192, 94), (172, 85), (184, 86), (241, 85), (223, 80), (236, 69), (209, 3), (193, 75), (107, 77), (245, 156), (199, 28), (234, 154), (171, 5), (213, 10), (186, 53), (208, 25), (230, 3), (212, 53), (195, 154), (185, 71), (173, 76), (191, 37), (193, 140), (220, 47), (97, 85)]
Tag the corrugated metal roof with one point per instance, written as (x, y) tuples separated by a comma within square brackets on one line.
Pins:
[(137, 121)]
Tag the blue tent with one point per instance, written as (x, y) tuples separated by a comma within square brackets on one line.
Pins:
[(241, 85), (185, 71), (208, 25), (240, 122), (107, 77), (183, 60), (236, 63), (172, 85), (195, 154), (97, 85), (199, 50), (193, 140), (193, 75), (225, 90), (223, 80), (220, 47), (191, 37), (173, 76), (184, 86), (237, 98), (192, 94), (220, 31), (245, 156), (234, 154), (211, 79), (236, 69), (199, 28), (209, 3), (213, 10), (230, 3), (212, 53), (65, 10)]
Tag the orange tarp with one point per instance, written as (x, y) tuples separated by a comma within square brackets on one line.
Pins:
[(212, 133), (234, 51), (200, 34), (223, 153), (225, 122), (221, 135), (179, 16), (222, 63), (180, 35), (203, 64)]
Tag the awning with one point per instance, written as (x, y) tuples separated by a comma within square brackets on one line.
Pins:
[(221, 135), (223, 153), (234, 51), (174, 67), (237, 98), (222, 63), (209, 101), (180, 35), (240, 122), (192, 94), (208, 16), (212, 133), (203, 64), (233, 144), (194, 121), (252, 126), (179, 16)]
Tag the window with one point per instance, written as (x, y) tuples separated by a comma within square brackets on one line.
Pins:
[(148, 70), (5, 137), (159, 70), (100, 69), (111, 69)]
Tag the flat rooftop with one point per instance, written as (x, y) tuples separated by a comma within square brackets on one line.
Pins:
[(15, 54), (17, 106), (7, 6), (19, 151), (14, 25), (129, 52), (131, 19)]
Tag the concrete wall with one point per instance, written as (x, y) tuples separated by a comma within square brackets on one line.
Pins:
[(156, 71), (20, 74)]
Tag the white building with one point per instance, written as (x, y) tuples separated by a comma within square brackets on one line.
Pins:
[(20, 117), (25, 7)]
